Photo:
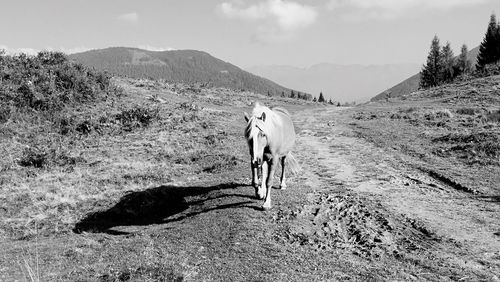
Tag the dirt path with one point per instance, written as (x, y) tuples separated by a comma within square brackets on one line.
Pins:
[(466, 226)]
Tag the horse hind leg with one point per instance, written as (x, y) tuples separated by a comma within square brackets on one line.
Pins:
[(283, 177)]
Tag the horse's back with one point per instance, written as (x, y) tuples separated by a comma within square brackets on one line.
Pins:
[(287, 131)]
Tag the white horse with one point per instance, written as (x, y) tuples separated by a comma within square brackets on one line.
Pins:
[(270, 135)]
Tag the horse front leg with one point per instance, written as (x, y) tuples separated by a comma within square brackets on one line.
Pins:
[(283, 178), (261, 190), (255, 181), (269, 182)]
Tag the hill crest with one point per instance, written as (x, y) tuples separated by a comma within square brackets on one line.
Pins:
[(187, 66)]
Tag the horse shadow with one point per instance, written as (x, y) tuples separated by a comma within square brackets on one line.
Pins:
[(155, 206)]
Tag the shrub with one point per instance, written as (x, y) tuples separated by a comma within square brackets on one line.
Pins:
[(137, 116), (49, 82), (493, 116), (466, 111), (40, 156), (438, 114), (4, 113), (34, 157)]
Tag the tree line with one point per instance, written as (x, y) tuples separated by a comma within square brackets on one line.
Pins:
[(443, 67)]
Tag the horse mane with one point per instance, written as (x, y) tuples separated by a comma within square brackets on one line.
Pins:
[(249, 127)]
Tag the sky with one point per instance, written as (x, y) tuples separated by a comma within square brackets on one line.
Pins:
[(249, 33)]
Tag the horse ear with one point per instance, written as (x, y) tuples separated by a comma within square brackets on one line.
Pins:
[(247, 117), (263, 117)]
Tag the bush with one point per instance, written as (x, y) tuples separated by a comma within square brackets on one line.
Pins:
[(4, 113), (33, 157), (137, 116), (466, 111), (493, 116), (438, 114), (40, 156), (49, 82)]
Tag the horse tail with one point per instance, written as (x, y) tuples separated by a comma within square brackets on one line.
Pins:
[(292, 164)]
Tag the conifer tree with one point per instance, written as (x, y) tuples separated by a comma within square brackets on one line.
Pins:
[(321, 99), (292, 94), (448, 62), (489, 50), (431, 72), (463, 65)]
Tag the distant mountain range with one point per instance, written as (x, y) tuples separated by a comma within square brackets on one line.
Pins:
[(344, 83), (411, 84), (188, 66)]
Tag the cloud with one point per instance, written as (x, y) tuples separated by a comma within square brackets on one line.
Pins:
[(16, 51), (33, 51), (73, 50), (132, 18), (392, 9), (277, 19), (153, 48)]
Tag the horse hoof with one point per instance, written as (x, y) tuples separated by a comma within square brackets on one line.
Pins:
[(265, 208)]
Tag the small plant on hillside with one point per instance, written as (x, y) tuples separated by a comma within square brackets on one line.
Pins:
[(136, 116), (494, 116), (321, 99)]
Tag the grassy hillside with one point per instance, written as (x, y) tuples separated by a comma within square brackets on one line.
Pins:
[(187, 66), (411, 84)]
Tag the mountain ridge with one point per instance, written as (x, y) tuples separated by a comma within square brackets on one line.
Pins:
[(187, 66)]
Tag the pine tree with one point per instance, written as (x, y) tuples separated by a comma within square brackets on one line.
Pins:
[(489, 50), (448, 62), (463, 64), (292, 94), (497, 50), (321, 99), (431, 72)]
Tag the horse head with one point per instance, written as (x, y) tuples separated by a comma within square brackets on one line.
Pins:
[(256, 136)]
